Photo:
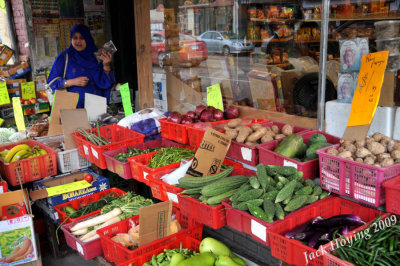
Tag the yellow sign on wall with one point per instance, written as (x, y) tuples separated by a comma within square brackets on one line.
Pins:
[(214, 97)]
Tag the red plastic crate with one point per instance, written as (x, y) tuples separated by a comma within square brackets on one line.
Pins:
[(124, 169), (310, 168), (118, 136), (174, 131), (359, 181), (81, 202), (292, 251), (186, 241), (165, 192), (139, 163), (249, 154), (213, 217), (88, 250), (30, 169), (115, 252), (392, 188)]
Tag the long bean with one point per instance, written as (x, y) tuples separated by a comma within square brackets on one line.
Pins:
[(170, 155)]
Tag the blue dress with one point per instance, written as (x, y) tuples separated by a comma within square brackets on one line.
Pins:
[(82, 64)]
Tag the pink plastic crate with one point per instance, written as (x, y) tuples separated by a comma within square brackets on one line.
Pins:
[(123, 169), (310, 168), (249, 154), (359, 181)]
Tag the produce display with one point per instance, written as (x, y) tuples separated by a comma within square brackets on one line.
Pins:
[(378, 150), (320, 231), (171, 257), (275, 192), (170, 155), (293, 146), (96, 139), (21, 152), (255, 134), (117, 210), (131, 152), (204, 114)]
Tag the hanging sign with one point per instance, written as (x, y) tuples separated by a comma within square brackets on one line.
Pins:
[(126, 99), (28, 90), (4, 97), (214, 97), (18, 114), (368, 89)]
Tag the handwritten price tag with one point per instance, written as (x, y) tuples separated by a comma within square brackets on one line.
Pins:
[(28, 90), (4, 97), (126, 99), (214, 97), (368, 90), (18, 114), (57, 190)]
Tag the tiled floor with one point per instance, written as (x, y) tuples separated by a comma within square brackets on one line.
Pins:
[(71, 259)]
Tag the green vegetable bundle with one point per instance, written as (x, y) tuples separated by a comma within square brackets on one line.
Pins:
[(170, 255), (123, 156), (276, 191), (129, 205), (170, 155)]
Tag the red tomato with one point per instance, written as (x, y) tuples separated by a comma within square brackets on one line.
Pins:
[(88, 178)]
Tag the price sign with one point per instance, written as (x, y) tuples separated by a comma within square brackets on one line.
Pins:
[(368, 89), (28, 90), (18, 114), (126, 99), (57, 190), (214, 97), (4, 97), (1, 121)]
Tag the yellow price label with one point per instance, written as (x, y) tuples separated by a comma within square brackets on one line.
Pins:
[(214, 97), (18, 114), (126, 99), (57, 190), (28, 90), (4, 96), (47, 74), (1, 121), (368, 89)]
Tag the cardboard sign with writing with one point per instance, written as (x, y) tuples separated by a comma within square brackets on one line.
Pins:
[(366, 95), (154, 221), (62, 100), (210, 154), (70, 124), (95, 105), (28, 90)]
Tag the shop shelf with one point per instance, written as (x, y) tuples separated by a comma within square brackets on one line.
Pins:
[(294, 252), (117, 135), (392, 188), (359, 181), (249, 154), (29, 169), (81, 202), (123, 169), (267, 155)]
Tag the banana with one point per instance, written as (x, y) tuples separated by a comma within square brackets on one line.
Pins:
[(42, 152), (19, 155), (14, 150)]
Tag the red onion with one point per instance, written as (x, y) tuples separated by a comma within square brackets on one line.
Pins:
[(187, 120), (231, 112), (191, 114), (211, 108), (218, 115), (206, 116), (200, 109), (174, 117)]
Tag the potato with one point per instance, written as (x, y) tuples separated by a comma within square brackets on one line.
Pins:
[(395, 154), (360, 160), (387, 162), (382, 156), (369, 160), (251, 143), (360, 143), (244, 132), (267, 138), (396, 145), (362, 152), (369, 139), (332, 151), (345, 154), (350, 147), (234, 123), (254, 127), (231, 132), (346, 142), (377, 165), (287, 130), (341, 149), (256, 135), (275, 129), (280, 136), (390, 146), (375, 147), (378, 136)]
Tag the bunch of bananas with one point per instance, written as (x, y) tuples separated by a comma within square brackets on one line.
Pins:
[(20, 152)]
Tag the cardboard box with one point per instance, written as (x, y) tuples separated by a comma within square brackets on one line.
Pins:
[(5, 54), (3, 186), (266, 91), (48, 210), (16, 232), (99, 183), (19, 69)]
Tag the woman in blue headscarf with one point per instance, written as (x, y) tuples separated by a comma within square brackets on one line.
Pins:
[(83, 73)]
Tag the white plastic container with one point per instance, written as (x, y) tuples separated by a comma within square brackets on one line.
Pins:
[(392, 45), (70, 160), (387, 29), (337, 116)]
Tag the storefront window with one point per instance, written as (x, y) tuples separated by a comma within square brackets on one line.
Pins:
[(264, 54)]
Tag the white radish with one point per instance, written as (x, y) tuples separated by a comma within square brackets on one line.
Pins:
[(96, 236), (96, 220), (93, 232), (80, 232)]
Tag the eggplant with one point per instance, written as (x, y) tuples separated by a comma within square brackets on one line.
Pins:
[(304, 236), (339, 220), (302, 228), (314, 240)]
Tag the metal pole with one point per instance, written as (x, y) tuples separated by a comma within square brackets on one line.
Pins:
[(322, 65)]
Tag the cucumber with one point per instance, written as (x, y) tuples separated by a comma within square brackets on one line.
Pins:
[(243, 205), (254, 182), (243, 188), (269, 208), (316, 138), (193, 182), (286, 192), (224, 185), (219, 198), (259, 213), (317, 191), (296, 203), (311, 152), (271, 195), (290, 145), (251, 194), (262, 176), (307, 190), (279, 213)]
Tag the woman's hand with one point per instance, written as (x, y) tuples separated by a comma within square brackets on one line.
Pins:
[(79, 81), (107, 58)]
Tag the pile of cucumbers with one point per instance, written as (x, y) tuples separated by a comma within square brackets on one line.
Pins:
[(275, 192)]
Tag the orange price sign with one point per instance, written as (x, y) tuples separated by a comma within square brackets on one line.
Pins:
[(368, 89)]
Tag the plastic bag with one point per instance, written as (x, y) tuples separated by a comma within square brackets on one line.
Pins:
[(173, 177), (142, 115), (108, 47)]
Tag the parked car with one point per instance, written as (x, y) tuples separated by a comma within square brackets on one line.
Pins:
[(223, 42), (191, 51)]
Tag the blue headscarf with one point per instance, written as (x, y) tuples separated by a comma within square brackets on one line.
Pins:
[(86, 57)]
